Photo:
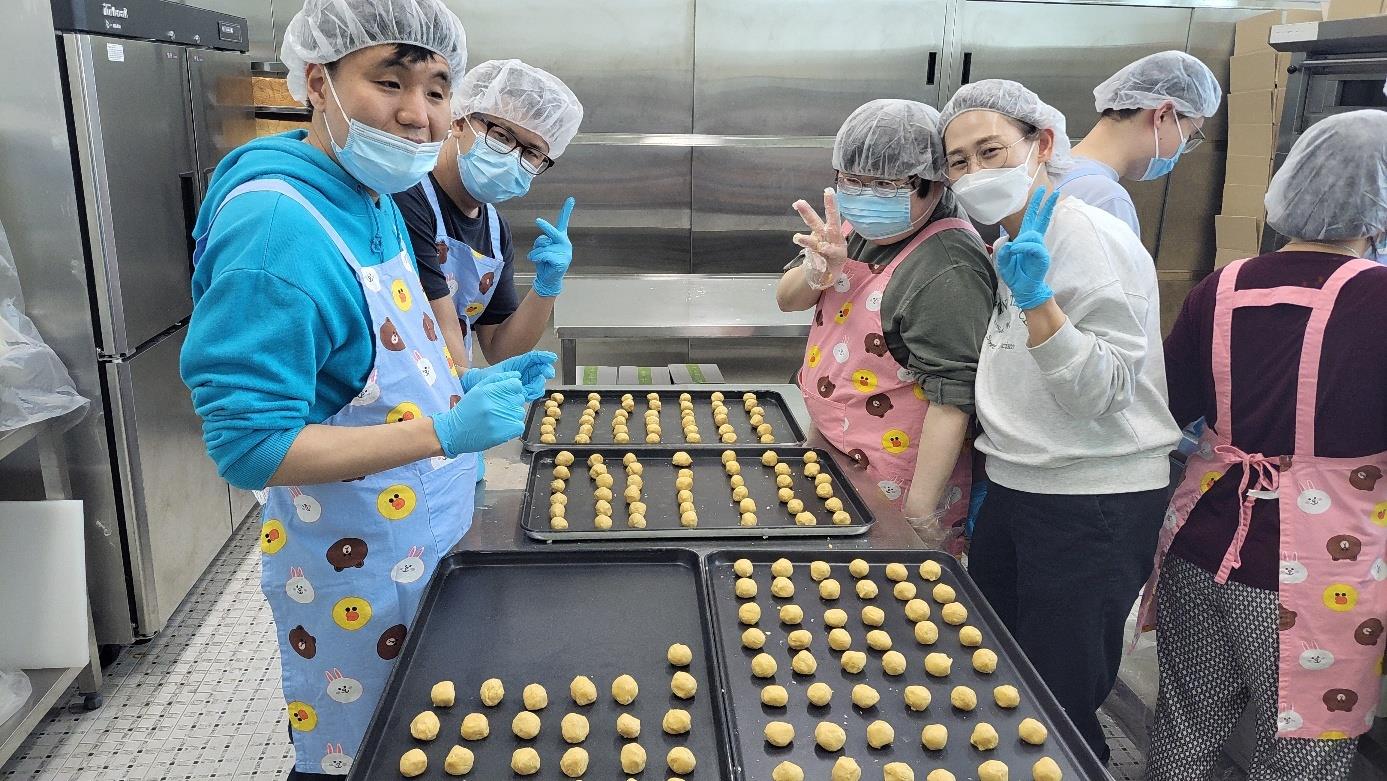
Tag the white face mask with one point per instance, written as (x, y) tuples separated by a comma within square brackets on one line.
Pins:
[(992, 194)]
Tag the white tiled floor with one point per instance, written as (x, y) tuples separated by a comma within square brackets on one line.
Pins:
[(201, 700)]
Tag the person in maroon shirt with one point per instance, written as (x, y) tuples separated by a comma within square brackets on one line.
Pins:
[(1222, 609)]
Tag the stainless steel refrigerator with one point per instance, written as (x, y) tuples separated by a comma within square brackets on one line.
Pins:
[(157, 93)]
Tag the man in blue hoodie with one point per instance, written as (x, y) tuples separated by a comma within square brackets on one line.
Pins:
[(318, 371)]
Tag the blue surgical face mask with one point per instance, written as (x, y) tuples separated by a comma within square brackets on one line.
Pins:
[(1160, 166), (491, 176), (381, 161), (876, 216)]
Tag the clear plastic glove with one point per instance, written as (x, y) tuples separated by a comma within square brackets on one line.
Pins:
[(1024, 261), (491, 412), (825, 238), (535, 368), (552, 253)]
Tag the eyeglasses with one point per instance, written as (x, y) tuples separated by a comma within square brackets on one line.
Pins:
[(505, 142), (886, 188), (993, 154), (1194, 139)]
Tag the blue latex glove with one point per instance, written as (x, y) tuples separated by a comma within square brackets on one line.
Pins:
[(535, 369), (552, 253), (492, 412), (1024, 261)]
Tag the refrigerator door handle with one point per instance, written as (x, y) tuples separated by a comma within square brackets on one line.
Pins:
[(188, 187)]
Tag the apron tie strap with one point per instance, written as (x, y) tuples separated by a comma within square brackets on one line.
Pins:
[(1268, 478)]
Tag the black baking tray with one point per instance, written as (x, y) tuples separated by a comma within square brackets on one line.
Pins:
[(545, 617), (754, 758), (718, 517), (785, 427)]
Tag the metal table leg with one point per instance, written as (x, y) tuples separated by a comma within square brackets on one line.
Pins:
[(568, 349)]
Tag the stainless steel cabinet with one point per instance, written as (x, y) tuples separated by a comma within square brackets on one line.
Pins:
[(260, 16)]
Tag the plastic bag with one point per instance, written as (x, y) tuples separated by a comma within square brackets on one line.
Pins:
[(34, 384), (14, 692), (936, 536)]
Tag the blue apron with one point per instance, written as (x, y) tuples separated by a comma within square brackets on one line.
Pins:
[(473, 282), (344, 564)]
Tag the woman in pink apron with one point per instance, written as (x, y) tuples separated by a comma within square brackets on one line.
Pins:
[(1271, 578), (902, 293)]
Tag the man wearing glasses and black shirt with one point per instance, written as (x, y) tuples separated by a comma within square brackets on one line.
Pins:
[(510, 122)]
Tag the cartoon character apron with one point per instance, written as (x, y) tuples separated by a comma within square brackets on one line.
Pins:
[(471, 283), (1333, 577), (345, 564), (860, 399)]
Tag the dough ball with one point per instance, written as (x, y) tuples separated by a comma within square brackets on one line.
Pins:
[(556, 487), (963, 698), (621, 437), (806, 519), (934, 736), (846, 769), (728, 438), (525, 761), (631, 494), (984, 737), (475, 726), (635, 521), (819, 570), (689, 520), (944, 593), (628, 726), (558, 524), (636, 470), (904, 591), (748, 519), (917, 610), (823, 479), (897, 771), (782, 568), (866, 589), (693, 437), (763, 666), (562, 473), (970, 636), (783, 588), (984, 660), (864, 696), (775, 696), (525, 725), (839, 639), (785, 495), (917, 698), (747, 505), (769, 458), (853, 661), (632, 758), (992, 770), (493, 691), (893, 663), (413, 763), (779, 733), (812, 470), (791, 614), (681, 760), (564, 458), (841, 518), (559, 499), (740, 494), (804, 663), (556, 510), (794, 506), (787, 771), (443, 695), (1032, 731), (624, 689), (728, 455), (954, 613), (605, 481), (574, 762), (938, 664), (676, 721), (833, 618), (603, 507), (829, 589), (683, 685), (879, 640), (820, 694), (1046, 770), (681, 459), (1006, 696), (823, 491), (583, 690), (926, 633), (783, 469), (940, 774), (930, 570), (880, 734), (799, 639), (679, 655), (459, 761), (732, 467), (742, 567), (684, 483), (746, 588), (736, 481), (833, 504), (749, 613), (895, 571), (873, 615), (424, 726), (637, 508), (830, 736)]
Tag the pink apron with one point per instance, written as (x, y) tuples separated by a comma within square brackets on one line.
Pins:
[(860, 399), (1333, 577)]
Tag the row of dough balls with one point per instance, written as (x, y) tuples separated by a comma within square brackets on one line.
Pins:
[(526, 761), (847, 769), (880, 734), (819, 570), (602, 492)]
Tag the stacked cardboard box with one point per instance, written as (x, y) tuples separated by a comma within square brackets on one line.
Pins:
[(1256, 97), (1354, 9)]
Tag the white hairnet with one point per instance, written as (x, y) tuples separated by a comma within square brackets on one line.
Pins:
[(1150, 81), (892, 139), (325, 31), (531, 98), (1013, 100), (1333, 185)]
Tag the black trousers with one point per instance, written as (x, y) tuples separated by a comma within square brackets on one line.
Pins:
[(1062, 571)]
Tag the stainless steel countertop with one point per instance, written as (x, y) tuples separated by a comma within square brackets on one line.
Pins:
[(496, 524), (674, 305)]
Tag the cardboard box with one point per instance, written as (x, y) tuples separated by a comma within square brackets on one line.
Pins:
[(1258, 71), (1260, 107), (597, 375), (694, 373), (1248, 170), (1239, 200), (1236, 232), (1251, 34), (269, 127), (1251, 140), (272, 91), (643, 375), (1353, 9), (1226, 256)]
